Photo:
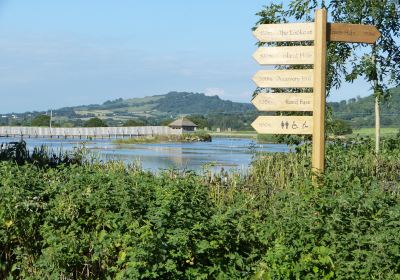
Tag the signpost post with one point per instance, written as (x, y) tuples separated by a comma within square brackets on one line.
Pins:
[(318, 147), (320, 32)]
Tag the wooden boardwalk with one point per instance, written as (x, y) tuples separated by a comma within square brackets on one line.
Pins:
[(86, 132)]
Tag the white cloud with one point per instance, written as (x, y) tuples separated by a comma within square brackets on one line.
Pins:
[(215, 91)]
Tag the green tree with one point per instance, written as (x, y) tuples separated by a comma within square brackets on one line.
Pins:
[(339, 127), (95, 122), (133, 123), (303, 10), (381, 66), (337, 53), (199, 120), (166, 122), (41, 120)]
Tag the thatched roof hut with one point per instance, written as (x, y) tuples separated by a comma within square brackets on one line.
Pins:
[(183, 123)]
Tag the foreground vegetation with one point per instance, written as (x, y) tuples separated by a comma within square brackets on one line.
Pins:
[(109, 221)]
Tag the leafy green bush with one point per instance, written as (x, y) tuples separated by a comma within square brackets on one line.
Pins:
[(40, 156), (339, 127), (107, 221), (95, 122), (133, 122), (199, 135), (41, 120)]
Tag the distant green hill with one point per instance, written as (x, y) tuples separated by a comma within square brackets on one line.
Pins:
[(360, 111), (171, 104), (211, 111), (151, 110)]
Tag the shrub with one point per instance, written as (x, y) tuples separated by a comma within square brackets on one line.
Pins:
[(18, 153), (134, 123), (41, 120), (95, 122), (108, 221), (339, 127)]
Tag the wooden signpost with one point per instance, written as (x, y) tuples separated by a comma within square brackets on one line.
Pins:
[(285, 32), (320, 32), (284, 78), (285, 55), (284, 124), (352, 33), (284, 102)]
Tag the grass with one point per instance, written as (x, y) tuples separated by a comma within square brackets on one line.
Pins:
[(186, 137), (370, 131), (235, 134), (265, 138)]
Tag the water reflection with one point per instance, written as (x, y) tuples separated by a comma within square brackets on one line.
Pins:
[(227, 153)]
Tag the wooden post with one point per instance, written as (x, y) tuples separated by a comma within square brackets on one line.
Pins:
[(318, 149)]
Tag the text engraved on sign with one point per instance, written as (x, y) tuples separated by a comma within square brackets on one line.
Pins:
[(285, 32), (353, 33), (284, 101), (283, 124), (284, 78), (285, 55)]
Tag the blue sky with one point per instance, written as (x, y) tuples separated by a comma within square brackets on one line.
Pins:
[(72, 52)]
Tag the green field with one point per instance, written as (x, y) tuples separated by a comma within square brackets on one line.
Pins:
[(385, 131)]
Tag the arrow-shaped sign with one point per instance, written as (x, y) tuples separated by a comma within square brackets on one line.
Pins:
[(284, 78), (336, 32), (285, 32), (283, 124), (285, 55), (283, 101), (352, 33)]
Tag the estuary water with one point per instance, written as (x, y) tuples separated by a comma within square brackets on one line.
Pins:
[(231, 154)]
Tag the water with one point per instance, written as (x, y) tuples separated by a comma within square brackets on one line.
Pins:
[(231, 154)]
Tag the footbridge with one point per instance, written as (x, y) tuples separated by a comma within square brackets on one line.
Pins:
[(86, 132)]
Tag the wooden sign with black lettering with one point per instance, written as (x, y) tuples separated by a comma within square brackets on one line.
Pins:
[(284, 78), (285, 32), (283, 124), (352, 33), (320, 32), (285, 55), (284, 101)]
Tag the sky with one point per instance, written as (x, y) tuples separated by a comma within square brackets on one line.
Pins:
[(71, 52)]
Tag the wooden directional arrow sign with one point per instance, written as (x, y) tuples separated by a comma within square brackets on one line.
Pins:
[(285, 55), (352, 33), (285, 32), (284, 101), (283, 124), (284, 78)]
